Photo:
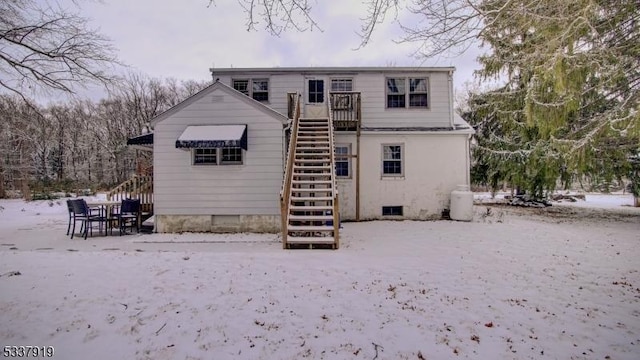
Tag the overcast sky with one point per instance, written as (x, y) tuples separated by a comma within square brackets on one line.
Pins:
[(184, 38)]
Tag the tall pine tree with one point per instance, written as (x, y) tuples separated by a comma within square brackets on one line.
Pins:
[(569, 108)]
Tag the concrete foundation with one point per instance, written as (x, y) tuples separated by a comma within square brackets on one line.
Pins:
[(218, 223)]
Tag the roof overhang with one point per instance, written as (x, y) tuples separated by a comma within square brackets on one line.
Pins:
[(141, 142), (213, 136), (332, 70)]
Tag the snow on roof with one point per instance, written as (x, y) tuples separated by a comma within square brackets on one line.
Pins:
[(212, 132)]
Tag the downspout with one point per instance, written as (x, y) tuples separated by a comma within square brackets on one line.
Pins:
[(468, 160), (451, 100), (358, 126), (358, 173)]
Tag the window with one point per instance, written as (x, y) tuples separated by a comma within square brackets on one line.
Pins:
[(261, 90), (342, 85), (417, 94), (343, 161), (391, 160), (205, 157), (242, 86), (223, 156), (316, 91), (395, 93), (392, 211), (231, 156), (258, 89)]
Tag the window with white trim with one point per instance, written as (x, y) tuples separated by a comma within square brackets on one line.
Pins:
[(341, 101), (215, 156), (205, 156), (231, 156), (343, 161), (395, 93), (416, 88), (392, 160), (342, 84), (418, 93), (258, 89)]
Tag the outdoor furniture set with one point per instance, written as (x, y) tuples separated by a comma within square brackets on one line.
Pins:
[(124, 215)]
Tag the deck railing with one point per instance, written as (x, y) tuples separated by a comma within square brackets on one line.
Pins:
[(345, 108), (138, 187), (285, 193)]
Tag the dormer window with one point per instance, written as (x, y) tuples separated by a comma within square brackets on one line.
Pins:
[(417, 90), (258, 89)]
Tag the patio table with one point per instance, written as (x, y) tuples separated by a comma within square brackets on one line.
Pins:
[(106, 207)]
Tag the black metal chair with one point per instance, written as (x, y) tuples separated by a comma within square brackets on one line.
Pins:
[(71, 215), (129, 216), (83, 214)]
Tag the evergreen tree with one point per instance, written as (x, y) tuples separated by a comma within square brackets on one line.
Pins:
[(569, 108)]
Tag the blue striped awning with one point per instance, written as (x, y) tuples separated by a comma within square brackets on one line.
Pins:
[(213, 136)]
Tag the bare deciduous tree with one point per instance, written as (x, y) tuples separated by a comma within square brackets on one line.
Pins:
[(45, 47), (277, 15)]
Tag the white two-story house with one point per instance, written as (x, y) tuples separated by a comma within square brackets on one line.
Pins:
[(298, 150)]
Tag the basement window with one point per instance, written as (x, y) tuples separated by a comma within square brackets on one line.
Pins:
[(392, 211)]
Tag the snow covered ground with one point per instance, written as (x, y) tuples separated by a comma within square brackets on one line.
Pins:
[(556, 283)]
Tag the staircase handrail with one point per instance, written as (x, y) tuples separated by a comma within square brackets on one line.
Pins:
[(137, 184), (334, 184), (285, 193)]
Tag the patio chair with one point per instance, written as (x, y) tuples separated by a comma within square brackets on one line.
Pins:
[(129, 216), (71, 215), (83, 214)]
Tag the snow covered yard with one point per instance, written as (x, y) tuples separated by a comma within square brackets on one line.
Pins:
[(513, 284)]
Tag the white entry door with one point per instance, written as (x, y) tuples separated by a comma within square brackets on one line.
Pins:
[(315, 97)]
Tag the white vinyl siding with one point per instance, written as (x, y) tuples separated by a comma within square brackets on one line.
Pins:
[(376, 114), (372, 86), (250, 189)]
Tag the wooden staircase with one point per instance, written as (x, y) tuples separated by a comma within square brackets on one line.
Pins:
[(310, 199), (137, 187)]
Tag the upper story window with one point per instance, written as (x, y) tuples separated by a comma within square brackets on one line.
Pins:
[(395, 93), (408, 93), (418, 93), (341, 84), (258, 89), (316, 91), (215, 156)]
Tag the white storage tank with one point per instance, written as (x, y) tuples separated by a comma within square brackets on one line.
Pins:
[(461, 204)]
